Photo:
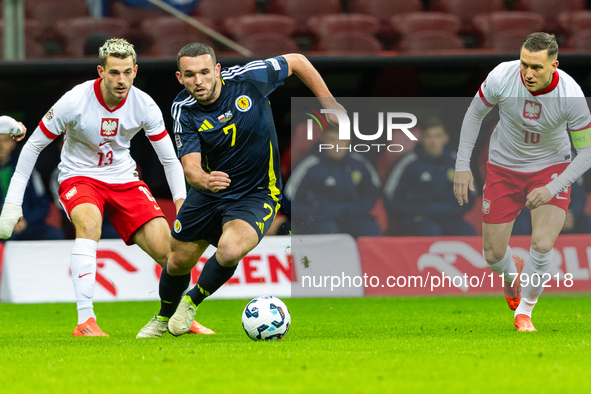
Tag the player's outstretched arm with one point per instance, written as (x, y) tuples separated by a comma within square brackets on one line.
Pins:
[(198, 178), (12, 209), (463, 181), (15, 129), (305, 71)]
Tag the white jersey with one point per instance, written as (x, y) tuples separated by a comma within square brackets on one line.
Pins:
[(97, 139), (532, 131)]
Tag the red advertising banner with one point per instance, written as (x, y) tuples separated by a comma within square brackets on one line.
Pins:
[(455, 265)]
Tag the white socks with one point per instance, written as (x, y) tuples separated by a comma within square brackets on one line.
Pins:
[(505, 266), (532, 286), (83, 266)]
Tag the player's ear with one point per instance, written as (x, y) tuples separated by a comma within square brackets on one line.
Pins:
[(179, 77), (554, 65), (218, 69), (101, 71)]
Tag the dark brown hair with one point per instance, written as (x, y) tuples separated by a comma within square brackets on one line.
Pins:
[(195, 49), (537, 42)]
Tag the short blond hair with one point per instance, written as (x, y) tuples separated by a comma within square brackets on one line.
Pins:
[(117, 47)]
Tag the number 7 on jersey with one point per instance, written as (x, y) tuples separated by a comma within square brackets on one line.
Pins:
[(232, 128)]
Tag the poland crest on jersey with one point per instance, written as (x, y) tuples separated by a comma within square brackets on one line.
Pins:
[(109, 127), (532, 110), (485, 206)]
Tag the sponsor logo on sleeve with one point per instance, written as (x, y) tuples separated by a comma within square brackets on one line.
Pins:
[(243, 103), (109, 127), (71, 193), (275, 63), (49, 116)]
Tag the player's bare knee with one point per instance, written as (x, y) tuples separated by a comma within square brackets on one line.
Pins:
[(542, 246), (492, 255), (229, 255), (176, 265), (88, 229)]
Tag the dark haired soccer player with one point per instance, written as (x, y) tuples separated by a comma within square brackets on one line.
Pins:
[(227, 144), (529, 163)]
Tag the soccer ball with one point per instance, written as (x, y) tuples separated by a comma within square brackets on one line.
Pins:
[(266, 318)]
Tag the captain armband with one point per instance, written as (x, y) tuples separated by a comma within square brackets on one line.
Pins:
[(581, 138)]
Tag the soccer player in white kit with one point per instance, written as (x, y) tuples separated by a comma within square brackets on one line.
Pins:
[(529, 163), (97, 174)]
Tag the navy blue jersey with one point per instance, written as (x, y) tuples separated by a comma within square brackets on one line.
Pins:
[(236, 133)]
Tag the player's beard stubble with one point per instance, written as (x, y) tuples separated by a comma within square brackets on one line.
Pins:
[(209, 97)]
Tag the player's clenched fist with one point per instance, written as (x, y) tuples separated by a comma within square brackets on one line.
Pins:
[(217, 181), (537, 197), (11, 213), (463, 180)]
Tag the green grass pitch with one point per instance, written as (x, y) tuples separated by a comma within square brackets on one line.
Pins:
[(416, 345)]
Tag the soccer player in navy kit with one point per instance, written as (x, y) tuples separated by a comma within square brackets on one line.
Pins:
[(227, 143)]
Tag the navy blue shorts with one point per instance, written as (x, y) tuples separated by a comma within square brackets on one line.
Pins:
[(202, 216)]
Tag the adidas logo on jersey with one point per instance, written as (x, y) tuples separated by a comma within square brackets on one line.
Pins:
[(205, 126)]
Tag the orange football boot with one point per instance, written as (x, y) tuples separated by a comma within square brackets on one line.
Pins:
[(523, 323), (197, 328), (88, 329), (513, 293)]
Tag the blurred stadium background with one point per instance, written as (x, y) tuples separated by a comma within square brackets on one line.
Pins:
[(363, 48)]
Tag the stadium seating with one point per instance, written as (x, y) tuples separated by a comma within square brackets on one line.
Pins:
[(33, 49), (75, 31), (419, 21), (134, 15), (491, 25), (509, 41), (467, 10), (31, 4), (269, 44), (246, 25), (430, 40), (580, 42), (302, 10), (326, 25), (48, 12), (387, 160), (33, 30), (574, 21), (300, 144), (550, 10), (168, 35), (350, 42), (384, 11), (33, 34), (218, 10)]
